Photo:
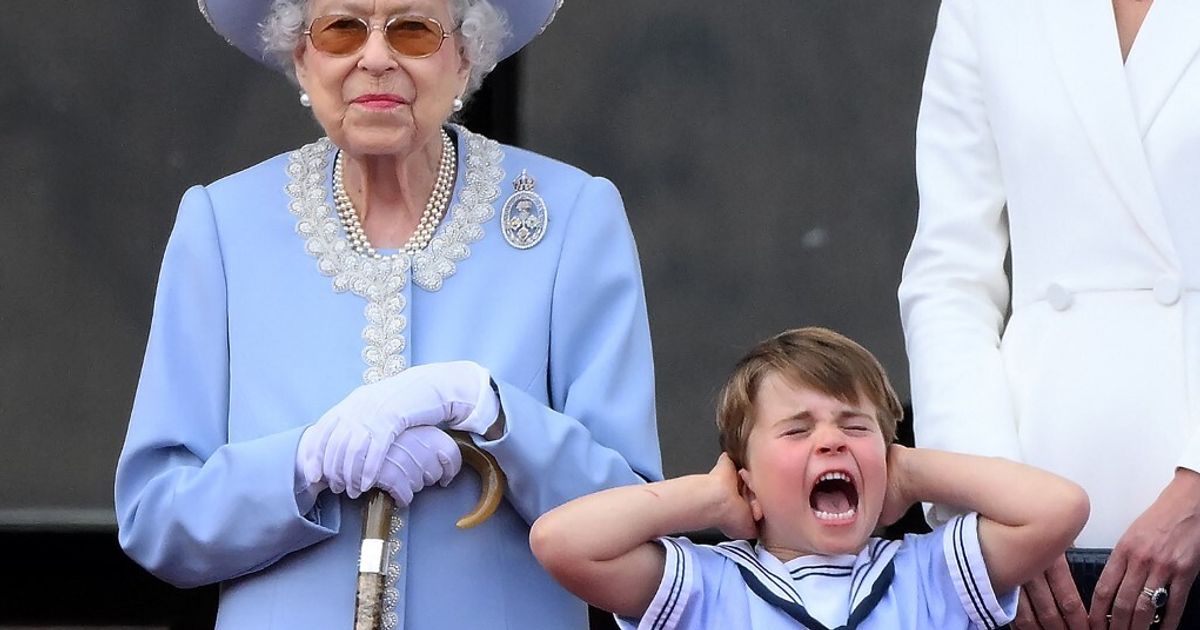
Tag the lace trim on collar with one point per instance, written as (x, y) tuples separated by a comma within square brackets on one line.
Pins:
[(382, 281), (472, 209)]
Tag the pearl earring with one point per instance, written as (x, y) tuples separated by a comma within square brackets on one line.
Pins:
[(458, 105), (305, 100)]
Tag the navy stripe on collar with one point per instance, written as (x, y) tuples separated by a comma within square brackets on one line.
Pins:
[(831, 573), (834, 567), (881, 551), (746, 557), (797, 611)]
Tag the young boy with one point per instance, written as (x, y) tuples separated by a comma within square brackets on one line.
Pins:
[(809, 470)]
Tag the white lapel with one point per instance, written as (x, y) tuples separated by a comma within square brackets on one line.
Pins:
[(1167, 44), (1083, 35)]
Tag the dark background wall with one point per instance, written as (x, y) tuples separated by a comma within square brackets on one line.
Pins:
[(764, 151)]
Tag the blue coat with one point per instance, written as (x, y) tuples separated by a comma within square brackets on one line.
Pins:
[(264, 319)]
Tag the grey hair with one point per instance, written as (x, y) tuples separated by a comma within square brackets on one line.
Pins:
[(481, 27)]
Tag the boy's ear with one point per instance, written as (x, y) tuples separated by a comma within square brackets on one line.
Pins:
[(746, 488)]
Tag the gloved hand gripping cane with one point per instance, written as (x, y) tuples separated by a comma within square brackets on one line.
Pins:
[(391, 438), (377, 523)]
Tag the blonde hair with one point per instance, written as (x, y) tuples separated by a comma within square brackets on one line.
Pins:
[(812, 357)]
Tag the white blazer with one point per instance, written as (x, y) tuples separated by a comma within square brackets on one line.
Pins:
[(1034, 136)]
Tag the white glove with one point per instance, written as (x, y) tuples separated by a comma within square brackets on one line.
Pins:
[(347, 446), (420, 457)]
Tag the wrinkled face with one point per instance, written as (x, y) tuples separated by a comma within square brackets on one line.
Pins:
[(376, 101), (816, 470)]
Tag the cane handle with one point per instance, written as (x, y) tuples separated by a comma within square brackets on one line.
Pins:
[(491, 480)]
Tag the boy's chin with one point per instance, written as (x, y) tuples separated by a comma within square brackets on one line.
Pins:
[(840, 540), (846, 545)]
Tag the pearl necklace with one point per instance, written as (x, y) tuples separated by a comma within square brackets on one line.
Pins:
[(435, 208)]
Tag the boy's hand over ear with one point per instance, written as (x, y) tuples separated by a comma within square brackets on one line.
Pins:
[(734, 517), (898, 498)]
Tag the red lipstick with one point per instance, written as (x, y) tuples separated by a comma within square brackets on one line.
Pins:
[(380, 101)]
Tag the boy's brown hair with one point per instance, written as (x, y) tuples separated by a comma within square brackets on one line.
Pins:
[(812, 357)]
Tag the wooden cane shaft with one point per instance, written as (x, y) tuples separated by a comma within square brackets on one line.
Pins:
[(369, 608), (378, 520), (377, 523), (372, 562)]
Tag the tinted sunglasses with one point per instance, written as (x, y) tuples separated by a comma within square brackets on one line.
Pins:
[(409, 35)]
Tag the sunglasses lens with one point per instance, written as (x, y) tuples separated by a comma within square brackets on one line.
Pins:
[(415, 37), (338, 34)]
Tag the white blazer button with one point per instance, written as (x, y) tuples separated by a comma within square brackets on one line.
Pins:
[(1059, 297), (1167, 290)]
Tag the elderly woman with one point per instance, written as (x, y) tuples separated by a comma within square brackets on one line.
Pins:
[(323, 316), (1065, 135)]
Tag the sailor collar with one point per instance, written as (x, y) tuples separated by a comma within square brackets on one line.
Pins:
[(863, 580)]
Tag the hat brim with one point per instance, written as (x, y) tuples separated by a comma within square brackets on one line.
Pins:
[(240, 22)]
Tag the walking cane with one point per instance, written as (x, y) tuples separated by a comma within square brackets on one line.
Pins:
[(377, 524)]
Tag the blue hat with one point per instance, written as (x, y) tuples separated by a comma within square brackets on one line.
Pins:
[(239, 22)]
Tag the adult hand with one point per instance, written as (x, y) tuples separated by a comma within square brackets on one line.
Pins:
[(348, 444), (419, 458), (735, 518), (1051, 602), (1160, 549)]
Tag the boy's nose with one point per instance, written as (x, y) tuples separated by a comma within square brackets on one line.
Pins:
[(830, 441)]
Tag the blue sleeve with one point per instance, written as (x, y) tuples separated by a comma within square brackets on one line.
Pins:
[(192, 508), (954, 578), (599, 430)]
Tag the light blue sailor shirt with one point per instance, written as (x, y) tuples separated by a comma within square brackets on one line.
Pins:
[(265, 318), (935, 580)]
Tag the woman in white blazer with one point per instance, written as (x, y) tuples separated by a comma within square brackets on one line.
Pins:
[(1066, 134)]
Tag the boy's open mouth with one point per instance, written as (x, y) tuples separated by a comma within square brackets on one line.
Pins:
[(834, 497)]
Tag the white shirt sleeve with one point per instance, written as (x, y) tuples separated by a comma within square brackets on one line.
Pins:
[(699, 590), (955, 578), (674, 591)]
